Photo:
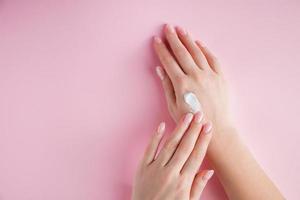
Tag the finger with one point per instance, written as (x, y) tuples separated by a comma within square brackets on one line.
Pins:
[(211, 59), (181, 53), (199, 183), (167, 60), (172, 142), (152, 147), (167, 86), (195, 159), (187, 143), (193, 49)]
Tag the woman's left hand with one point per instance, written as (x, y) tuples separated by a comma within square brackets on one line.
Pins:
[(173, 172)]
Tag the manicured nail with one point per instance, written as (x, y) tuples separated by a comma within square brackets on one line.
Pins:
[(201, 43), (207, 128), (188, 118), (161, 128), (208, 174), (157, 39), (160, 72), (198, 117), (170, 28), (181, 30)]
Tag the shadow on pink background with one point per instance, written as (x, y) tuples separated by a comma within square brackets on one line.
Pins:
[(79, 96)]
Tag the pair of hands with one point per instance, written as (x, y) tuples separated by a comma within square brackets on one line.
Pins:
[(188, 66)]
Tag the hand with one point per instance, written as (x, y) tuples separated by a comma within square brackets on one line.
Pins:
[(173, 172), (190, 67)]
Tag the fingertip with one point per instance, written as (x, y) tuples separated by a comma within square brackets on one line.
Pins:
[(157, 40), (198, 117), (200, 43), (200, 182), (188, 118), (207, 128), (152, 147), (169, 28), (208, 174), (160, 72), (181, 30), (161, 128)]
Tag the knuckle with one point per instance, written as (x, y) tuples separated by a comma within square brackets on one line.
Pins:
[(195, 128), (181, 82), (199, 157), (171, 145), (184, 150), (197, 76), (181, 53), (178, 49), (179, 79), (181, 186), (155, 138), (167, 59), (183, 183), (204, 78), (169, 175), (187, 178)]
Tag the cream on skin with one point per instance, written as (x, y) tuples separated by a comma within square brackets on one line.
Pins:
[(192, 101), (239, 173)]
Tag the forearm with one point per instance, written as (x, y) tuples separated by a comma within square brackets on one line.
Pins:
[(191, 67), (238, 171)]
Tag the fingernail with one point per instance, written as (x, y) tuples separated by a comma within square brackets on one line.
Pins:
[(208, 174), (170, 28), (207, 128), (181, 30), (157, 39), (159, 72), (161, 128), (188, 118), (201, 43), (198, 117)]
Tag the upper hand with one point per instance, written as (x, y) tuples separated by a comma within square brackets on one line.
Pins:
[(189, 66)]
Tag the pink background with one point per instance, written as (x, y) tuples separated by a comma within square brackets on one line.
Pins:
[(79, 96)]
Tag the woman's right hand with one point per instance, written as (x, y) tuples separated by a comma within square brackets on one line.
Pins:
[(173, 172), (189, 66)]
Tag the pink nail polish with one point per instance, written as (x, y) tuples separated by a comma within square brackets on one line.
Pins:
[(188, 118), (198, 117), (208, 174), (181, 30), (161, 128), (201, 43), (207, 128), (157, 39), (159, 72), (170, 28)]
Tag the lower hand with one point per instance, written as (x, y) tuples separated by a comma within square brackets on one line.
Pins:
[(173, 172)]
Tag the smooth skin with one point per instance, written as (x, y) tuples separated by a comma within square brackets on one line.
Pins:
[(173, 172), (188, 65)]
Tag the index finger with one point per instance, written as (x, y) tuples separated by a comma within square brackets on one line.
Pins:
[(195, 159)]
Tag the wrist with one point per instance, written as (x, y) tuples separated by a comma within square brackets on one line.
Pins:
[(224, 137)]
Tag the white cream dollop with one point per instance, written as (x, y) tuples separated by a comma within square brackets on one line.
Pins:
[(192, 101)]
